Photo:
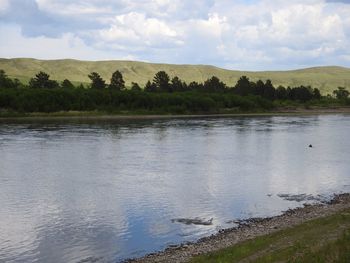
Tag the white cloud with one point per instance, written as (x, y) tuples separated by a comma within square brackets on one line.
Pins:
[(74, 8), (261, 34), (284, 33), (214, 26), (134, 32), (67, 46), (4, 5)]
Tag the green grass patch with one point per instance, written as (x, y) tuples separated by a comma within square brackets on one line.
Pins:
[(321, 240)]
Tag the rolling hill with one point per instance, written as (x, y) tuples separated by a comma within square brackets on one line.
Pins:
[(325, 78)]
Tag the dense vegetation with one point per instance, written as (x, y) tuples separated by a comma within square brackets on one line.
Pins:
[(162, 95)]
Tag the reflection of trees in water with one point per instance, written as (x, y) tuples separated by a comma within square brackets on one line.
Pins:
[(161, 133), (242, 125), (268, 124)]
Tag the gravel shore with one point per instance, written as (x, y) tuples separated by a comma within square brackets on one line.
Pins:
[(248, 229)]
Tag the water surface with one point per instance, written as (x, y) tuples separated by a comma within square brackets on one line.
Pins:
[(103, 191)]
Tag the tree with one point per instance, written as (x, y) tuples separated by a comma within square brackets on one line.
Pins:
[(176, 84), (305, 93), (269, 90), (96, 81), (184, 86), (214, 85), (3, 74), (150, 87), (259, 88), (117, 81), (5, 82), (194, 85), (42, 81), (316, 94), (243, 87), (66, 84), (161, 81), (135, 86), (301, 93), (341, 93), (16, 83), (281, 93)]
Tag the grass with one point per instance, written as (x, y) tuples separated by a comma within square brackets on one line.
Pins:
[(320, 240), (326, 79)]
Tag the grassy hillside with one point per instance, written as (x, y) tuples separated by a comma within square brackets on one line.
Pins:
[(325, 78)]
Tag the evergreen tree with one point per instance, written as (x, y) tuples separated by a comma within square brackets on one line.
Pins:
[(214, 85), (42, 81), (194, 85), (117, 81), (161, 81), (301, 93), (176, 84), (6, 82), (316, 94), (150, 87), (66, 84), (243, 87), (289, 93), (281, 93), (341, 93), (96, 81), (259, 88), (135, 86), (269, 90)]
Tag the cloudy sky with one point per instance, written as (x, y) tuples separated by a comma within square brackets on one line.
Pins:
[(242, 34)]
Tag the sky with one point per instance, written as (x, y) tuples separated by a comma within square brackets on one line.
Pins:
[(242, 34)]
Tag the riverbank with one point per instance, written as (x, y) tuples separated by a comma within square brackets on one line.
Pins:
[(254, 228), (146, 115)]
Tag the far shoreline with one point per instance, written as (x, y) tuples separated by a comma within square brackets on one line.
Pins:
[(96, 115)]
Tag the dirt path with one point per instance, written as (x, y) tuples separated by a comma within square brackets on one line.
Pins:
[(255, 228)]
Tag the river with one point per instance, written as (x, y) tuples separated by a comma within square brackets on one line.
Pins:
[(104, 191)]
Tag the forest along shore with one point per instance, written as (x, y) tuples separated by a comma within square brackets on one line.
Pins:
[(251, 229)]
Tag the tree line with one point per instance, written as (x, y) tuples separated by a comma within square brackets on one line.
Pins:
[(162, 94)]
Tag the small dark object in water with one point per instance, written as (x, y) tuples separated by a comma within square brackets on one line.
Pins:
[(310, 146)]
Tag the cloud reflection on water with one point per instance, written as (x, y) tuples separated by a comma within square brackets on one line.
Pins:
[(108, 190)]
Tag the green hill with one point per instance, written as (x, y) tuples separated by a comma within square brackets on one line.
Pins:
[(325, 78)]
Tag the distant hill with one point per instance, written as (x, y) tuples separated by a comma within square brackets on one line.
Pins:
[(325, 78)]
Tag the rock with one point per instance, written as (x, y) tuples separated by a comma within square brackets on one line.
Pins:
[(193, 221)]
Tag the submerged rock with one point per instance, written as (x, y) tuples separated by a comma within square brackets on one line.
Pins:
[(248, 221), (303, 197), (193, 221)]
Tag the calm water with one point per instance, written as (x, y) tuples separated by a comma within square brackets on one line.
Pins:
[(105, 191)]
